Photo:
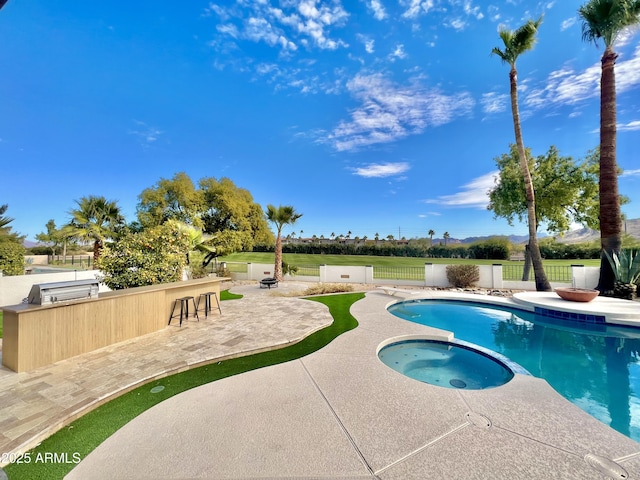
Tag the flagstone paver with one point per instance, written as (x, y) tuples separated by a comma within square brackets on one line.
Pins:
[(35, 404)]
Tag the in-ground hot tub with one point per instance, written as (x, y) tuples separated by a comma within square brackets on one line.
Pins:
[(445, 364)]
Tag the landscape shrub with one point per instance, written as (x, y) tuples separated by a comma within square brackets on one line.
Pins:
[(289, 269), (552, 250), (325, 288), (39, 250), (11, 258), (491, 249), (156, 255), (463, 276)]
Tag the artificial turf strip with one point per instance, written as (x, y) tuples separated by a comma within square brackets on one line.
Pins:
[(227, 295), (88, 432)]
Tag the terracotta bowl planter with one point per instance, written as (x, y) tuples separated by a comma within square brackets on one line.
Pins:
[(577, 294)]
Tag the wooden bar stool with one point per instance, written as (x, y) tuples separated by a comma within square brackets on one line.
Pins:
[(207, 302), (184, 309)]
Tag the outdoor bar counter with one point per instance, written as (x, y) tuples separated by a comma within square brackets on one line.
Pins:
[(38, 335)]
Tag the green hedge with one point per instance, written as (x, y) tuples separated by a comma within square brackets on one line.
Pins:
[(11, 258)]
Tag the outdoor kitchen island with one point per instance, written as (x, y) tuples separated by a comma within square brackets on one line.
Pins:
[(38, 335)]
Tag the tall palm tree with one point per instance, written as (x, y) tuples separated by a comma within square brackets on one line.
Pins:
[(446, 236), (431, 234), (96, 219), (605, 19), (517, 42), (281, 216)]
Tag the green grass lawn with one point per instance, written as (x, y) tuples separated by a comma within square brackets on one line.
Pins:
[(85, 434), (376, 261)]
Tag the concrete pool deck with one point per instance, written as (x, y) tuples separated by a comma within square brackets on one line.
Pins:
[(341, 413)]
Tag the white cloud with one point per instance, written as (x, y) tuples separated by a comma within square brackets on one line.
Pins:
[(389, 112), (631, 173), (368, 42), (145, 134), (494, 13), (567, 87), (415, 8), (629, 127), (380, 170), (473, 194), (568, 23), (457, 24), (493, 102), (472, 11), (297, 21), (398, 52), (379, 13), (259, 29)]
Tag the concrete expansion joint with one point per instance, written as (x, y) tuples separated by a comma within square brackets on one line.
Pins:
[(425, 446), (338, 420)]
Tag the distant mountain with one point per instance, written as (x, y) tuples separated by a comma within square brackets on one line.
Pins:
[(631, 227)]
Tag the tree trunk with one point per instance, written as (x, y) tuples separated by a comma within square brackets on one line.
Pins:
[(542, 284), (527, 264), (277, 268), (610, 216), (97, 246)]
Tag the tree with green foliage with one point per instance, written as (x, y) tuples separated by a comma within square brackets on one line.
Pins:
[(96, 220), (431, 233), (516, 42), (232, 218), (53, 237), (281, 216), (446, 237), (11, 249), (171, 199), (606, 19), (567, 192), (155, 255), (6, 234)]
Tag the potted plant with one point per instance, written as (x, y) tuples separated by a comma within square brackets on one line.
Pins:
[(626, 268)]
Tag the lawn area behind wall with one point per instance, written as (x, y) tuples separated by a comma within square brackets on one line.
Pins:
[(85, 434), (380, 261)]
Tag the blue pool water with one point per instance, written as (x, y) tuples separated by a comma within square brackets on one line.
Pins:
[(445, 364), (596, 367)]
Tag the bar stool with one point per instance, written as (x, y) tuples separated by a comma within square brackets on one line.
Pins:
[(207, 302), (184, 309)]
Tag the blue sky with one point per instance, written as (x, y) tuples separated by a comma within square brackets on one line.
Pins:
[(368, 116)]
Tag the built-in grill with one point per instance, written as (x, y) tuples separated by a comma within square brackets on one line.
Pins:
[(47, 293)]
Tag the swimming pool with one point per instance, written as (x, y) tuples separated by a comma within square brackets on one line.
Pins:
[(595, 366)]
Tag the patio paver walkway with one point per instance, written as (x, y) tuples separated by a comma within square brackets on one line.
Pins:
[(37, 403)]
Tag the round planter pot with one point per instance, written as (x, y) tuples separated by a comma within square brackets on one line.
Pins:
[(577, 294)]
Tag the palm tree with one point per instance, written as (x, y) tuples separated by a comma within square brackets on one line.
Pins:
[(605, 19), (446, 236), (281, 216), (431, 234), (95, 220), (517, 42)]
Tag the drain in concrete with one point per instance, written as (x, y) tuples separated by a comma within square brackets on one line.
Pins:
[(606, 466)]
